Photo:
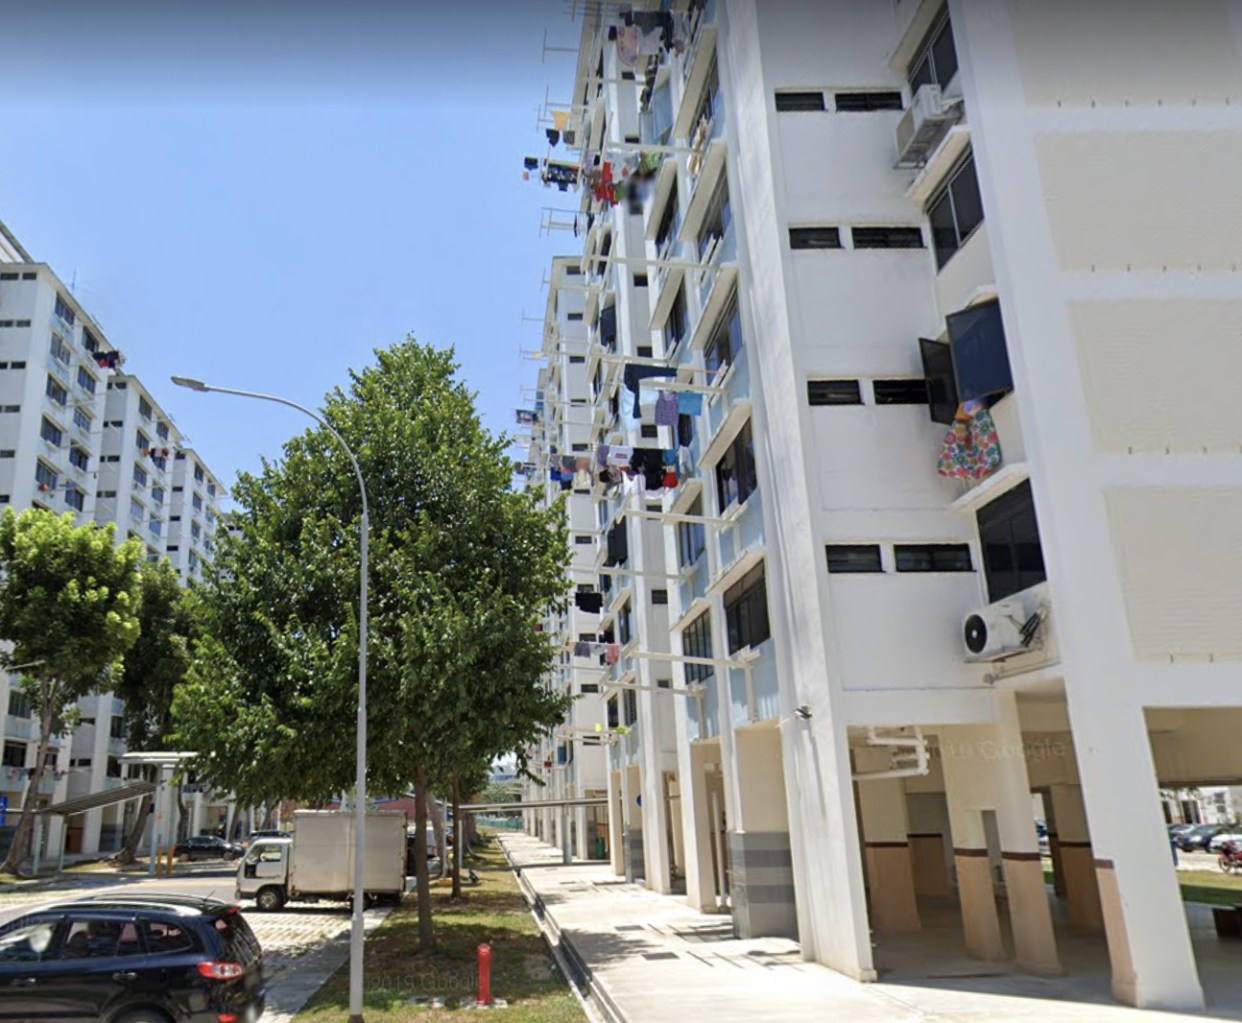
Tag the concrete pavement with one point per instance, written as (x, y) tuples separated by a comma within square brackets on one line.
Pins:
[(647, 958)]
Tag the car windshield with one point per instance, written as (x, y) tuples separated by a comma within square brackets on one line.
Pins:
[(26, 944)]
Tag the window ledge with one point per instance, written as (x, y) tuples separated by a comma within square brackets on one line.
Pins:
[(743, 563), (690, 615), (1000, 482), (942, 160)]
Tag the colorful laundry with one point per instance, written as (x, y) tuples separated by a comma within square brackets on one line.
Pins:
[(635, 373), (613, 654), (666, 407), (582, 649), (670, 457), (971, 448), (670, 480), (560, 119), (619, 456)]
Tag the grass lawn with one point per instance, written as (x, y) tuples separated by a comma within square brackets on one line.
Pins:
[(492, 912), (1202, 886)]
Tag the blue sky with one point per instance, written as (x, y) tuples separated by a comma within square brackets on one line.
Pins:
[(261, 202)]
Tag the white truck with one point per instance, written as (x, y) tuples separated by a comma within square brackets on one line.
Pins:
[(318, 861)]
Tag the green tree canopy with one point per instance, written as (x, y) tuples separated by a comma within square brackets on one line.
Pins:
[(69, 604)]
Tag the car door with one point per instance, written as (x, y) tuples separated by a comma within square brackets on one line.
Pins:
[(266, 861), (94, 966), (27, 990)]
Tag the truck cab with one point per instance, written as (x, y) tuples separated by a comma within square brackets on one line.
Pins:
[(264, 873)]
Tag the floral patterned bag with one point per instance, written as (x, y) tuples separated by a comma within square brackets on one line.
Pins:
[(971, 448)]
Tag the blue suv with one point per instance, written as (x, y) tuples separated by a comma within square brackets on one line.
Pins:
[(140, 959)]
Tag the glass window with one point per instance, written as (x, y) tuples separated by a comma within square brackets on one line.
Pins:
[(144, 408), (736, 478), (86, 381), (143, 441), (691, 536), (670, 222), (140, 476), (726, 340), (14, 754), (717, 220), (1013, 559), (100, 939), (936, 59), (81, 420), (46, 477), (696, 641), (79, 458), (19, 704), (956, 211), (746, 611), (677, 326), (161, 431), (198, 474), (50, 432), (60, 350), (64, 312), (166, 938), (75, 498), (56, 391), (846, 558), (28, 943), (933, 557)]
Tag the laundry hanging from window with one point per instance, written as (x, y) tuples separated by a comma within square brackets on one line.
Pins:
[(666, 409), (971, 448), (635, 373), (591, 603)]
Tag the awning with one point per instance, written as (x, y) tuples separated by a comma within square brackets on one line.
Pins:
[(134, 790)]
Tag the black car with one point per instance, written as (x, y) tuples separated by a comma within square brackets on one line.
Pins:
[(207, 847), (139, 959), (1198, 837)]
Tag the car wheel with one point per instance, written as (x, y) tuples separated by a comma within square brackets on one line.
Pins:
[(144, 1016), (270, 899)]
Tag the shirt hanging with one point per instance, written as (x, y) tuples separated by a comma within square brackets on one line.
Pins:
[(619, 456), (635, 373), (666, 409), (690, 403)]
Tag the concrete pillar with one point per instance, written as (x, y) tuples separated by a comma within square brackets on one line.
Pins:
[(616, 841), (196, 813), (760, 857), (696, 820), (1153, 963), (1077, 862), (636, 859), (892, 905), (582, 839)]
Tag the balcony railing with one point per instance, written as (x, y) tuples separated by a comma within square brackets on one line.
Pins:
[(19, 728)]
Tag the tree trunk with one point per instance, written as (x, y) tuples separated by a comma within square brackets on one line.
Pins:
[(129, 848), (25, 827), (457, 838), (426, 935)]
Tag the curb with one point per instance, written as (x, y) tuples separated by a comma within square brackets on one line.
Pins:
[(591, 994)]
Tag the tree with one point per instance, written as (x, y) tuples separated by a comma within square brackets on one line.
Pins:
[(69, 600), (462, 569), (154, 667)]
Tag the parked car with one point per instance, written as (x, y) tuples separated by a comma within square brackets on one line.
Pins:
[(1197, 838), (1231, 834), (207, 847), (140, 959)]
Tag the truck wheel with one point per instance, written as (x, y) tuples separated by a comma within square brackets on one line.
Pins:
[(270, 899)]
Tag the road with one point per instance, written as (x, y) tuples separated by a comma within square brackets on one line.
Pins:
[(314, 935)]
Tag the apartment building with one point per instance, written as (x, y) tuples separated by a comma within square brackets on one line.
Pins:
[(79, 434), (937, 304)]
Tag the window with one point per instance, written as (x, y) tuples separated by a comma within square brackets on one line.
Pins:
[(717, 220), (735, 472), (144, 408), (659, 597), (155, 525), (78, 458), (625, 624), (64, 312), (574, 317), (933, 557), (582, 540), (795, 101), (167, 938), (863, 102), (136, 511), (14, 754), (900, 392), (113, 770), (955, 211), (833, 392), (935, 62), (640, 280), (980, 354), (196, 531), (17, 365), (8, 453), (815, 238), (51, 433), (577, 360), (116, 729), (61, 352), (198, 474), (81, 420), (726, 340), (86, 381), (197, 501), (105, 494), (45, 476), (211, 490), (56, 391), (1013, 559), (670, 222), (27, 944), (887, 237), (588, 687), (89, 342), (75, 498), (845, 558), (161, 431), (631, 706), (650, 431), (677, 326), (746, 611), (143, 441), (94, 938), (711, 96), (140, 476), (19, 704), (613, 717), (696, 641), (157, 495), (691, 536)]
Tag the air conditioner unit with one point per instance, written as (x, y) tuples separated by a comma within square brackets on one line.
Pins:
[(996, 632), (923, 126)]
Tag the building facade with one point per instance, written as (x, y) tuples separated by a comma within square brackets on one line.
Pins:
[(79, 434), (924, 306)]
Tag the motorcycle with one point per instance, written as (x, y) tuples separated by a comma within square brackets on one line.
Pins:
[(1230, 857)]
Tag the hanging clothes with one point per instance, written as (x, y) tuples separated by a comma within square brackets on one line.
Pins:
[(670, 457), (690, 403), (554, 137), (612, 653), (560, 119), (971, 448), (591, 603), (570, 137), (619, 456), (670, 480), (601, 456), (635, 373), (666, 409), (650, 463), (629, 39), (531, 163), (582, 649)]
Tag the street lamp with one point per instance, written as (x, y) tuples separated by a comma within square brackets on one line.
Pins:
[(360, 800)]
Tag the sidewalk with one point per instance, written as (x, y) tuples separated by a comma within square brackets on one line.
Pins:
[(647, 958)]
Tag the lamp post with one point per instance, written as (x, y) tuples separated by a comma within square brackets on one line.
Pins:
[(360, 798)]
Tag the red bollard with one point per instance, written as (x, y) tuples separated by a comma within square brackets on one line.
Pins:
[(485, 975)]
